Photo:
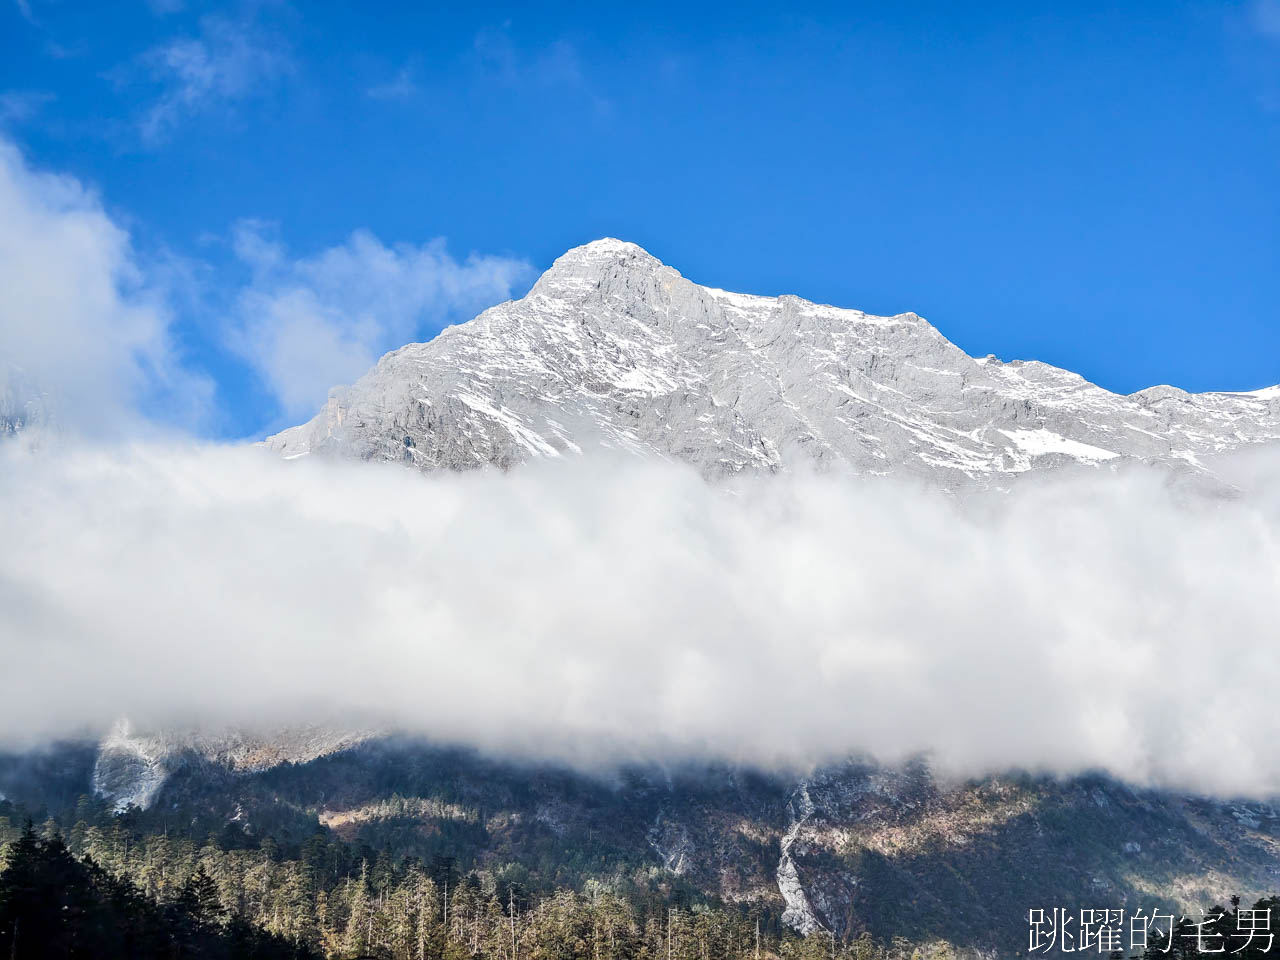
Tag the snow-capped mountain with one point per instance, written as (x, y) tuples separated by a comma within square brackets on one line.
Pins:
[(611, 348)]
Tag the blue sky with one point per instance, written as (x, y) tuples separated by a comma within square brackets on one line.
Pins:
[(1096, 185)]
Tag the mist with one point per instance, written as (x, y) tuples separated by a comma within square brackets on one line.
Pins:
[(602, 611)]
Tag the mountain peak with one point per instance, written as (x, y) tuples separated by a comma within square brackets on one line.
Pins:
[(612, 348), (584, 267), (609, 246)]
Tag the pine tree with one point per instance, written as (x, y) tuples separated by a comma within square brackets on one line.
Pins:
[(199, 898)]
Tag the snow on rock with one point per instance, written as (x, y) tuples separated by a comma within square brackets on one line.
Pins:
[(132, 767), (613, 349), (799, 913), (1038, 443)]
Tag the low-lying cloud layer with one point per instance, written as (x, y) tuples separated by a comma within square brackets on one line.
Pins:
[(604, 611)]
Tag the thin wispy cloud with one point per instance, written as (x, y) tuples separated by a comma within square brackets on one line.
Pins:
[(308, 323), (1266, 17), (224, 64), (164, 7), (401, 87), (498, 54), (555, 65), (1255, 30), (63, 51), (53, 48), (18, 106)]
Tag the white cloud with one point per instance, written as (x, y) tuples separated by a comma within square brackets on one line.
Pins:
[(225, 63), (311, 323), (78, 321), (556, 63), (596, 611), (17, 106), (86, 328)]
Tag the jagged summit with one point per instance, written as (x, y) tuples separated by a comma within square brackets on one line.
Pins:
[(603, 253), (606, 247), (595, 262), (612, 348), (579, 268)]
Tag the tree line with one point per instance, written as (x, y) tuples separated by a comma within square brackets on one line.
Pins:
[(56, 905), (162, 895)]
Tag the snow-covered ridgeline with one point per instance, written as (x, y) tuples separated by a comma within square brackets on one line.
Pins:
[(613, 349)]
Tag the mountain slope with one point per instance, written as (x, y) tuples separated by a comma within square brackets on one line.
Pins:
[(849, 848), (613, 349)]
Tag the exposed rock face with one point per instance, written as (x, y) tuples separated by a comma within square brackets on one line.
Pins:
[(671, 842), (895, 851), (612, 348), (132, 767), (799, 914)]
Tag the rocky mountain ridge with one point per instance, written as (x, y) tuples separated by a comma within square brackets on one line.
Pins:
[(611, 348), (131, 766)]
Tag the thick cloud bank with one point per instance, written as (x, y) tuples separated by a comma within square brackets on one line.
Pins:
[(83, 329), (603, 611)]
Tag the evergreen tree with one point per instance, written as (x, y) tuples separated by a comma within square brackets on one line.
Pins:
[(55, 906)]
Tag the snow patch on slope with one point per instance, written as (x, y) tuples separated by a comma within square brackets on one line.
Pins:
[(1038, 443)]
